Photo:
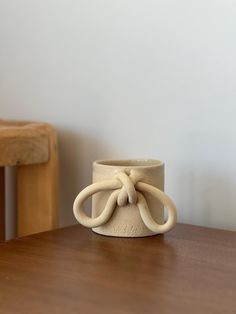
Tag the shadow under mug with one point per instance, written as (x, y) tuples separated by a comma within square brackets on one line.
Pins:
[(127, 199)]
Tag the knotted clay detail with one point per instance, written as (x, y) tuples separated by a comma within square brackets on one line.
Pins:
[(127, 188)]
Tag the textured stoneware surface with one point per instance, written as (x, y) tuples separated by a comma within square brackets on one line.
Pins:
[(127, 199), (126, 220)]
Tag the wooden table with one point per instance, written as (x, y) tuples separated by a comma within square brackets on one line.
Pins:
[(72, 270)]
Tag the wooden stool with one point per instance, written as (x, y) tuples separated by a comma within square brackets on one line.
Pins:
[(32, 147)]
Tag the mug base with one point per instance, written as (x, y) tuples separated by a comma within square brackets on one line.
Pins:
[(124, 232), (124, 236)]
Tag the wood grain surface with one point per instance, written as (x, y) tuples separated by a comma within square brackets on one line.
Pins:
[(73, 270), (37, 191), (2, 204), (23, 143), (32, 147)]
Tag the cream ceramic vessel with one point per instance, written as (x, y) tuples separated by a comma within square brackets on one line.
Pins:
[(127, 199)]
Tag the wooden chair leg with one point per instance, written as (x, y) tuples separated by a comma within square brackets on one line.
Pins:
[(2, 204), (37, 193)]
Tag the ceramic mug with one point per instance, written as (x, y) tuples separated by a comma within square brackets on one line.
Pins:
[(127, 199)]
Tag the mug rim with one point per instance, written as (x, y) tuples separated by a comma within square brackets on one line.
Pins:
[(129, 163)]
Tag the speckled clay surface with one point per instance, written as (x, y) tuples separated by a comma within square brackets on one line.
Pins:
[(142, 177)]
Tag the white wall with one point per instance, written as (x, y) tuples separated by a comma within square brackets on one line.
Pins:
[(130, 79)]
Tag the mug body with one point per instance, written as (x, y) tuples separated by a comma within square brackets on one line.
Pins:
[(126, 220)]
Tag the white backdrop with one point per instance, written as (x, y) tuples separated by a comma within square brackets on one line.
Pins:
[(126, 79)]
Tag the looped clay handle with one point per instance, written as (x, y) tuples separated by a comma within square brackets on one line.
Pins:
[(114, 200)]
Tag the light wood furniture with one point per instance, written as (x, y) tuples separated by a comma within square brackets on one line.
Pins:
[(73, 270), (32, 147), (2, 204)]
